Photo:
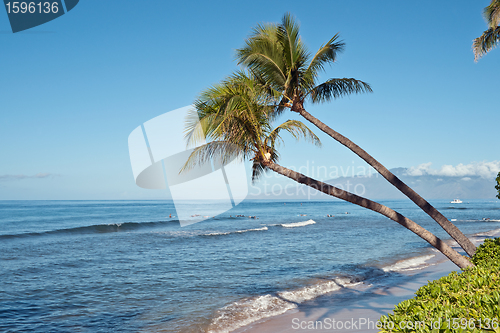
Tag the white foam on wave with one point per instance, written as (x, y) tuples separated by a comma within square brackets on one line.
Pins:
[(235, 232), (247, 311), (298, 224), (409, 264), (494, 232), (478, 240), (250, 310), (481, 220), (310, 292), (480, 237)]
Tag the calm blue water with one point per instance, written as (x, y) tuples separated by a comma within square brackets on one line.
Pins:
[(105, 266)]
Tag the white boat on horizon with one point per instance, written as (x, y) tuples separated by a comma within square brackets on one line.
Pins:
[(456, 201)]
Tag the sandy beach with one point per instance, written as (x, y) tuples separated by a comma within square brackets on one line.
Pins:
[(354, 309)]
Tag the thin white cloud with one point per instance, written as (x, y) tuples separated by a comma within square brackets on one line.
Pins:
[(19, 177), (483, 169)]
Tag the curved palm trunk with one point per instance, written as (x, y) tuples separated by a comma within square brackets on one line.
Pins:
[(453, 255), (449, 227)]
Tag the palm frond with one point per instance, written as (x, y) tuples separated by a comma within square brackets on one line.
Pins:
[(492, 14), (221, 152), (296, 128), (196, 129), (257, 170), (326, 54), (263, 53), (295, 55), (335, 88), (294, 51), (486, 42)]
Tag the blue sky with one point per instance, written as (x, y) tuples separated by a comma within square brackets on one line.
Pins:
[(73, 89)]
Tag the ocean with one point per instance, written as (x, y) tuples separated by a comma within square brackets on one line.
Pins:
[(127, 266)]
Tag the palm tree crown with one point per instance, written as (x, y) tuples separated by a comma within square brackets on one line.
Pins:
[(277, 54), (235, 116), (490, 38)]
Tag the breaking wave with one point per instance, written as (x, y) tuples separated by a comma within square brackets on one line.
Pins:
[(250, 310), (247, 311), (409, 264), (234, 232), (310, 292), (298, 224), (93, 229)]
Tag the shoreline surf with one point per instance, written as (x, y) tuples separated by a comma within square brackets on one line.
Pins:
[(225, 274), (261, 313)]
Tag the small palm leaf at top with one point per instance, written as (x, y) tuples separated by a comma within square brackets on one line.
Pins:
[(486, 42), (492, 14), (491, 37)]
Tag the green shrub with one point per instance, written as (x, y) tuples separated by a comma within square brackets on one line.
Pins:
[(465, 302), (489, 250)]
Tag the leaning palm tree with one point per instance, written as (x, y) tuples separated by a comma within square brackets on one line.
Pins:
[(277, 57), (235, 118), (491, 37)]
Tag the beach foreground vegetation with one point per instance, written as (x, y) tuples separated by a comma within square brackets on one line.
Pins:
[(277, 55), (459, 302)]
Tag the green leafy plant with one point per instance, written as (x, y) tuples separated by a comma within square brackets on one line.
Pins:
[(488, 251), (465, 302)]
